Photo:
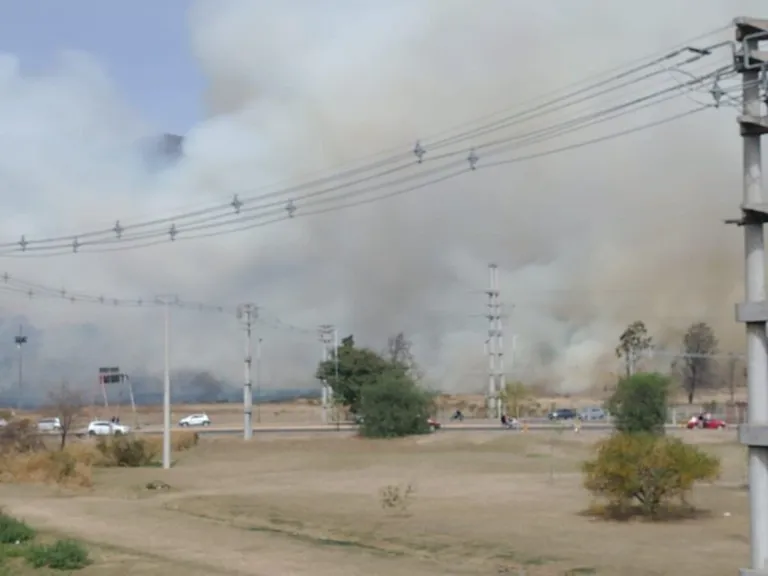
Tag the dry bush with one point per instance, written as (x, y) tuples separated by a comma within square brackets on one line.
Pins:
[(393, 497), (646, 474), (62, 467), (20, 436)]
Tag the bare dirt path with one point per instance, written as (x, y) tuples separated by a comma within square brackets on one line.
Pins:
[(144, 527)]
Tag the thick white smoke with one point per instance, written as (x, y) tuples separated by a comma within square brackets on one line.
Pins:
[(586, 241)]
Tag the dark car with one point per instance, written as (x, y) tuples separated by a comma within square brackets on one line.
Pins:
[(564, 414)]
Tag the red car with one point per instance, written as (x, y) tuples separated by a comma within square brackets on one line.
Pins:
[(433, 424), (707, 423)]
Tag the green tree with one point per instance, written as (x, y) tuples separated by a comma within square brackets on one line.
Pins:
[(639, 403), (514, 397), (356, 369), (698, 368), (633, 342), (394, 406), (646, 473)]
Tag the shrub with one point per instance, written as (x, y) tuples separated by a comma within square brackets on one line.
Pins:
[(639, 403), (396, 497), (14, 531), (62, 555), (646, 471), (394, 406), (59, 467), (20, 436), (127, 451)]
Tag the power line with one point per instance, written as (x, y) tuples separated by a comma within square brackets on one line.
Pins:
[(118, 233), (245, 222)]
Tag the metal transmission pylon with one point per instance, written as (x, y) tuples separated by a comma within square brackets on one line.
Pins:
[(329, 339), (752, 63), (247, 313), (495, 346)]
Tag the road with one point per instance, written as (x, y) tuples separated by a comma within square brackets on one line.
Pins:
[(489, 426)]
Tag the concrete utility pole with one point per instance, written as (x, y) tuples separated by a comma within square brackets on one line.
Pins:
[(247, 313), (749, 61), (495, 348), (167, 301), (20, 340), (328, 338)]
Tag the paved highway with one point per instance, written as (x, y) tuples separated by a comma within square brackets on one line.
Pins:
[(333, 428)]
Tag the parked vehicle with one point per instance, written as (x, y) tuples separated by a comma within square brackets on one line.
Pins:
[(706, 422), (195, 420), (107, 428), (3, 422), (593, 413), (49, 425), (563, 414)]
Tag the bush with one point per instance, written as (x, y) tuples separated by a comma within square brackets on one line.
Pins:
[(20, 436), (639, 403), (127, 451), (62, 555), (646, 472), (14, 531), (66, 467), (394, 406)]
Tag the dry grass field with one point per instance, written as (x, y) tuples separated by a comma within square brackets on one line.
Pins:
[(480, 503)]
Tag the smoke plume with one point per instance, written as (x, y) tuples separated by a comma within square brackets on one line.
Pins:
[(586, 241)]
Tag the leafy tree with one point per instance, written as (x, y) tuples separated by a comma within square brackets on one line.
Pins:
[(67, 405), (697, 368), (632, 342), (514, 396), (399, 351), (358, 368), (394, 406), (646, 471), (639, 404)]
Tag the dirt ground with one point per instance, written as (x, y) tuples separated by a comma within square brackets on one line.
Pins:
[(479, 503)]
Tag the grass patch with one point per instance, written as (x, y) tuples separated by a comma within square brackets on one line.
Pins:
[(17, 541)]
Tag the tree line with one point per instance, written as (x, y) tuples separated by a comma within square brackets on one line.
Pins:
[(698, 366)]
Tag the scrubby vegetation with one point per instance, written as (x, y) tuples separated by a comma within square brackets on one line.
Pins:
[(24, 457), (639, 470), (19, 542)]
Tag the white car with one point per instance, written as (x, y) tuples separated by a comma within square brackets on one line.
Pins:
[(195, 420), (106, 428), (49, 425)]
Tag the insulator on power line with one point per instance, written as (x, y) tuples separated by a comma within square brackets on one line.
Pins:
[(101, 299), (717, 92), (172, 232), (419, 151), (139, 302), (118, 230), (236, 203), (6, 277), (72, 299), (30, 293), (472, 159), (290, 208), (23, 243), (75, 245), (115, 302)]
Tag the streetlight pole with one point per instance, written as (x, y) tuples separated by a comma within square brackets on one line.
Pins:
[(20, 340), (166, 301)]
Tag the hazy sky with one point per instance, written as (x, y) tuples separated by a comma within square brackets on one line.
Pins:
[(142, 43), (273, 92)]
